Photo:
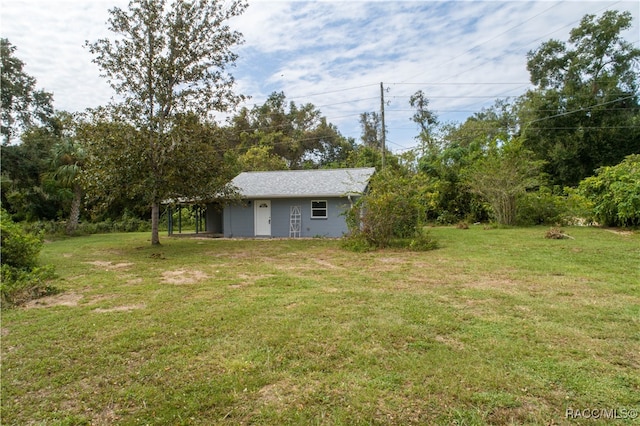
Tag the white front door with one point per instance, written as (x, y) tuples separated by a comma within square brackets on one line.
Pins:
[(263, 218)]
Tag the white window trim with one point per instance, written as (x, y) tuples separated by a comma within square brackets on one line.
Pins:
[(326, 209)]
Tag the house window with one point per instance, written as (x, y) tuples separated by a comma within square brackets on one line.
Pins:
[(318, 209)]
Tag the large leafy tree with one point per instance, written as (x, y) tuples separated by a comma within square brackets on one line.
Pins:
[(23, 106), (165, 61), (297, 134), (26, 192), (23, 166), (261, 158), (584, 111)]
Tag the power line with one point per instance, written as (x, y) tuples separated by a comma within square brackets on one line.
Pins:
[(333, 91), (347, 102), (584, 109), (442, 83)]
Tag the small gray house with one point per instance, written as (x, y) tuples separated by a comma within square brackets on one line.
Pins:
[(294, 203)]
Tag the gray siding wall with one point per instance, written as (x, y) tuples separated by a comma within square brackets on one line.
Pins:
[(239, 221)]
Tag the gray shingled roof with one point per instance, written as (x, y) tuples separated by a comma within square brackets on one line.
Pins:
[(303, 183)]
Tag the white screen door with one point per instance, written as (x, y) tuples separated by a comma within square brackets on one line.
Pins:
[(263, 218)]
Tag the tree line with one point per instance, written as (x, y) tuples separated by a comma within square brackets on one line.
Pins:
[(542, 157)]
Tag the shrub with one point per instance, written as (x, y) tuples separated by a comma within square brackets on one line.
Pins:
[(45, 227), (18, 286), (389, 215), (356, 242), (18, 249), (542, 207), (615, 193), (21, 278), (422, 241), (127, 223)]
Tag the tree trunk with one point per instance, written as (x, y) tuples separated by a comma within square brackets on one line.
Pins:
[(155, 221), (74, 215)]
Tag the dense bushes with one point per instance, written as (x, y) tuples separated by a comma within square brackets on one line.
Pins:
[(18, 249), (127, 223), (541, 207), (615, 193), (544, 207), (22, 278), (391, 214)]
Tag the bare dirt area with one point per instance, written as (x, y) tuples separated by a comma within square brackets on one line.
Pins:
[(125, 308), (110, 266), (620, 231), (72, 299), (183, 276), (285, 392), (63, 299), (249, 279)]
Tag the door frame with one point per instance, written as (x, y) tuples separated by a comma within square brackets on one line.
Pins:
[(267, 225)]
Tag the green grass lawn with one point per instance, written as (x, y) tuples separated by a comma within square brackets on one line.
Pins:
[(498, 326)]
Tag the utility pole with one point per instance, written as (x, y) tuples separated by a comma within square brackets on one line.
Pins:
[(382, 117)]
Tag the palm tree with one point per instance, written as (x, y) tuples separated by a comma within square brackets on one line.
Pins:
[(68, 158)]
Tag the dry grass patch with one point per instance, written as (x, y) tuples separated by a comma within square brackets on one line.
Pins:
[(243, 280), (62, 299), (286, 393), (326, 264), (110, 266), (450, 341), (124, 308), (183, 276)]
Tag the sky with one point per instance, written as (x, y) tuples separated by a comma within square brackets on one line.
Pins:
[(334, 54)]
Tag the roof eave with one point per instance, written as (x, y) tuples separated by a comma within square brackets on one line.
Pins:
[(284, 196)]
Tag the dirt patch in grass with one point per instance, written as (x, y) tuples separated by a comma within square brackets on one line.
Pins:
[(285, 393), (293, 305), (183, 276), (63, 299), (523, 413), (391, 260), (490, 283), (620, 232), (327, 264), (110, 266), (99, 417), (107, 416), (249, 279), (450, 341), (125, 308), (276, 393)]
